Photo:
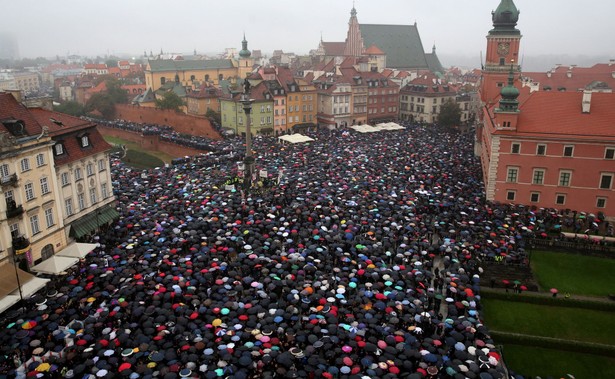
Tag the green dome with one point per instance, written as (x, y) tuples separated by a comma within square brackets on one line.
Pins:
[(510, 92), (244, 53), (506, 15)]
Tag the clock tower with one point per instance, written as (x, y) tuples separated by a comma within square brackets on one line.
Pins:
[(503, 43)]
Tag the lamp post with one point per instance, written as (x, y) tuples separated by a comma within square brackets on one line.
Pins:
[(249, 159)]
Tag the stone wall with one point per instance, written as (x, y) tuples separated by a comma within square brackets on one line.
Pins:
[(180, 122), (149, 142)]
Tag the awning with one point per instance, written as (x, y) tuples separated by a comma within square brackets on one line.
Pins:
[(9, 290), (92, 221), (55, 265), (295, 138), (8, 278), (77, 250)]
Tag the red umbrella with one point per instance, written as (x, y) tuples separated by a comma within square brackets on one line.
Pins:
[(124, 366), (523, 288), (505, 281), (553, 290)]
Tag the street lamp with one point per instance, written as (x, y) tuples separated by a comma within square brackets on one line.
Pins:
[(249, 159)]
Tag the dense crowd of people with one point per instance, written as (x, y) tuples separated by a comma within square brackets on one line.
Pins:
[(360, 259)]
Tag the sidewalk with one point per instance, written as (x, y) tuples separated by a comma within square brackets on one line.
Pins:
[(599, 299)]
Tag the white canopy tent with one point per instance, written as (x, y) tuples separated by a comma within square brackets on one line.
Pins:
[(77, 250), (385, 126), (9, 285), (55, 265), (7, 302), (295, 138)]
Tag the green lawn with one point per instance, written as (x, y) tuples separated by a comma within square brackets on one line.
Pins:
[(557, 322), (574, 273), (141, 160), (527, 360), (131, 146)]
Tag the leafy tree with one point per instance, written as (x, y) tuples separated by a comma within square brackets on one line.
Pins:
[(72, 108), (450, 114), (102, 103), (111, 63), (115, 91), (211, 114), (169, 100)]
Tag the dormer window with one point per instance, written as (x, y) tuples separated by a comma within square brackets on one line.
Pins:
[(58, 148), (85, 140)]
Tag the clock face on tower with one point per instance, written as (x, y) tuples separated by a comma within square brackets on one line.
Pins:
[(503, 48)]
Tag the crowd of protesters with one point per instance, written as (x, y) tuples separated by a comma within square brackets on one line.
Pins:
[(360, 259)]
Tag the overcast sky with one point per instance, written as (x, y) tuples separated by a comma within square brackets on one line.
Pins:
[(458, 27)]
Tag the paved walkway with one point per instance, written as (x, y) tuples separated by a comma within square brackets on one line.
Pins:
[(599, 299)]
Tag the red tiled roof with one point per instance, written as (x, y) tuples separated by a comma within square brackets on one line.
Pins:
[(97, 66), (560, 113), (334, 48), (580, 77), (11, 109), (69, 134), (374, 50)]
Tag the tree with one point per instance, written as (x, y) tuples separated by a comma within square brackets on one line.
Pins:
[(102, 103), (111, 63), (72, 108), (213, 115), (450, 114), (170, 100), (115, 91)]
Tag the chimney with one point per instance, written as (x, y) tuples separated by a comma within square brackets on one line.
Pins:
[(587, 101), (569, 73), (549, 74), (611, 62), (613, 74)]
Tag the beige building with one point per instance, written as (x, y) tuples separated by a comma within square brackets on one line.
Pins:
[(421, 99), (28, 82), (31, 225)]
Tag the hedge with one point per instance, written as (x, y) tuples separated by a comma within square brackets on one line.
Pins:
[(559, 301), (553, 343)]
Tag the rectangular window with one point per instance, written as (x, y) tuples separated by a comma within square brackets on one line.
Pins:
[(564, 178), (101, 165), (600, 202), (4, 170), (44, 186), (81, 201), (93, 199), (539, 176), (14, 230), (609, 153), (25, 164), (68, 206), (40, 160), (8, 196), (29, 189), (541, 149), (34, 224), (534, 197), (560, 199), (64, 178), (85, 141), (510, 195), (104, 191), (606, 180), (49, 217), (58, 148), (515, 148), (568, 150), (78, 175), (89, 169), (512, 175)]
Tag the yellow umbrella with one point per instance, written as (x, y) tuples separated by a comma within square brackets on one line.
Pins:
[(43, 367)]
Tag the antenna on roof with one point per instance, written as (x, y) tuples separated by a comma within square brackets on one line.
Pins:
[(482, 67)]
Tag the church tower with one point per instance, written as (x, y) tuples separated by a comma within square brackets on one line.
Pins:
[(503, 42), (354, 42), (507, 113), (245, 62)]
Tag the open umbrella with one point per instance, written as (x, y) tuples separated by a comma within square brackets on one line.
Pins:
[(553, 290)]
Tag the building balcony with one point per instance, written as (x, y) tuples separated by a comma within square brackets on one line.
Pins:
[(9, 181), (13, 210), (20, 243)]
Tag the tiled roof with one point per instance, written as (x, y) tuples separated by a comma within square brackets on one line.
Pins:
[(560, 113), (96, 66), (69, 132), (580, 77), (374, 50), (11, 109), (401, 43), (159, 65), (433, 62), (334, 48), (429, 84), (69, 123)]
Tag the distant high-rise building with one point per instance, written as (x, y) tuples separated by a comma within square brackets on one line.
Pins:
[(9, 49)]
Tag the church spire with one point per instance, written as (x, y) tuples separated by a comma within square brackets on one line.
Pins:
[(510, 93), (505, 18), (244, 53)]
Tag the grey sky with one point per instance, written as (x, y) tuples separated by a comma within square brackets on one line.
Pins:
[(49, 28)]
